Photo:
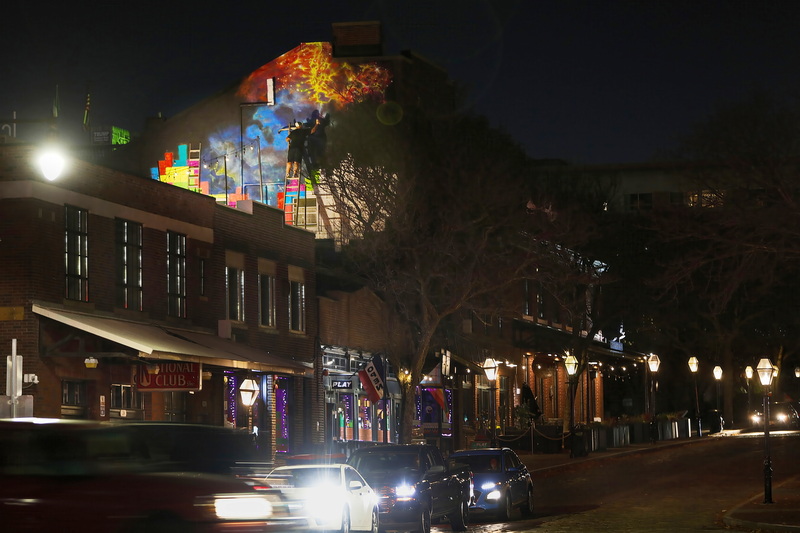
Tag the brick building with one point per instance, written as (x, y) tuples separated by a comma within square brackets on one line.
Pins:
[(131, 299)]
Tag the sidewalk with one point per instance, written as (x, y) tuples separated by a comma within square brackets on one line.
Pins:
[(753, 515)]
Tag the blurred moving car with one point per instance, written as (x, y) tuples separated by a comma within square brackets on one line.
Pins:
[(324, 497), (172, 446), (502, 481), (781, 415), (61, 475)]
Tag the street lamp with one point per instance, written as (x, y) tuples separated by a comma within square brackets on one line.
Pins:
[(694, 365), (249, 391), (765, 375), (571, 364), (748, 373), (718, 377), (51, 162), (490, 368), (653, 362)]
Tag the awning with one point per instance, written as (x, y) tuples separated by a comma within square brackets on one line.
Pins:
[(157, 342), (473, 366)]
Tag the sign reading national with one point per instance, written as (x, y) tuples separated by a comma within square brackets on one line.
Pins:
[(170, 376)]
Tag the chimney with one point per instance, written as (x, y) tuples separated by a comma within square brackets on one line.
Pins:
[(357, 39)]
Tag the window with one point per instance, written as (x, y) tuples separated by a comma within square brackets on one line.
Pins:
[(234, 285), (526, 297), (176, 274), (202, 268), (76, 256), (641, 202), (124, 396), (297, 306), (73, 393), (297, 300), (266, 298), (128, 245)]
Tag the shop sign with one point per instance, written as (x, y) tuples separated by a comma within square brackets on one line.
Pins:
[(168, 376)]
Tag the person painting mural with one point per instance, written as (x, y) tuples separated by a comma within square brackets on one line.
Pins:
[(298, 134)]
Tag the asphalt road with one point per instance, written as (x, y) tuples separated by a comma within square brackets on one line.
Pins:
[(683, 488)]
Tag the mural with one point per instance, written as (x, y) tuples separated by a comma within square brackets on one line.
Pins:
[(269, 136)]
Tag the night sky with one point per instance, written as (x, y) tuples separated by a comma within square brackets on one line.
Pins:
[(587, 81)]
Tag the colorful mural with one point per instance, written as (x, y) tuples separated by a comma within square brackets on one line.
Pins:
[(248, 154)]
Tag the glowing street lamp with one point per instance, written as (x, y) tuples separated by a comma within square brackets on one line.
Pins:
[(653, 362), (51, 163), (748, 373), (765, 375), (490, 368), (249, 392), (694, 365), (718, 377), (571, 364)]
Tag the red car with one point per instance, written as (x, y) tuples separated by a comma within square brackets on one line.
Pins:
[(57, 475)]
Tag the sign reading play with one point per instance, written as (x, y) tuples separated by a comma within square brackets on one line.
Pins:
[(168, 376)]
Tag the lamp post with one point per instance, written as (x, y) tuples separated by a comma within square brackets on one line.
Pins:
[(490, 368), (748, 374), (694, 365), (718, 377), (653, 362), (765, 375), (571, 364), (249, 391)]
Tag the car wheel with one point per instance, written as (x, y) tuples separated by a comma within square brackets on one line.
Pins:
[(505, 507), (459, 519), (345, 522), (527, 507), (375, 525), (425, 520)]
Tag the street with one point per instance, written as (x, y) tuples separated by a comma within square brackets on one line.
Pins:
[(684, 488)]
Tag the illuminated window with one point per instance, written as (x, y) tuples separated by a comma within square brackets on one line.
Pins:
[(128, 247), (266, 290), (297, 300), (76, 253), (234, 285), (176, 274)]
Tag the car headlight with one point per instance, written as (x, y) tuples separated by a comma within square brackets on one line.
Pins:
[(242, 507), (405, 492), (489, 485), (494, 495), (782, 417), (756, 419), (325, 503)]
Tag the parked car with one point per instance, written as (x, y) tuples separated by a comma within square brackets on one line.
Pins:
[(713, 421), (60, 475), (502, 481), (781, 415), (415, 486), (324, 497)]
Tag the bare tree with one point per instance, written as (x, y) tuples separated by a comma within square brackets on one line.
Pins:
[(437, 222)]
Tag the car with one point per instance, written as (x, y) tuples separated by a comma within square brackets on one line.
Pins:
[(415, 486), (62, 475), (174, 446), (324, 497), (502, 481), (781, 415)]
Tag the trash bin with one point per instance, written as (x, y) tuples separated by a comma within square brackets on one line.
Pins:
[(579, 441)]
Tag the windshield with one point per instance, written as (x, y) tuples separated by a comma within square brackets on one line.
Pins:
[(303, 477), (376, 462), (479, 464)]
